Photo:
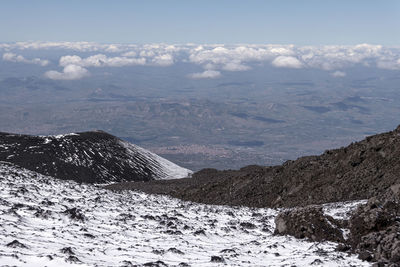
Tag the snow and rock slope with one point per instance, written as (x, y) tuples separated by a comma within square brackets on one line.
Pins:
[(51, 222), (92, 157)]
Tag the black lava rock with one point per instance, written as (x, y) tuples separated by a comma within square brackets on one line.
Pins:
[(16, 244), (217, 259)]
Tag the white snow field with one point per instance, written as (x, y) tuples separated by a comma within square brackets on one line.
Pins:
[(50, 222)]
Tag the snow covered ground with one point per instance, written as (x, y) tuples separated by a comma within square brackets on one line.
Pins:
[(45, 221), (162, 168)]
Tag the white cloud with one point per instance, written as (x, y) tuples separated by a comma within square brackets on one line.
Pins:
[(234, 58), (70, 72), (207, 74), (77, 46), (329, 57), (338, 73), (113, 48), (67, 60), (147, 53), (75, 66), (215, 57), (221, 55), (80, 46), (101, 60), (130, 54), (389, 65), (163, 60), (18, 58), (332, 57), (235, 66), (287, 62)]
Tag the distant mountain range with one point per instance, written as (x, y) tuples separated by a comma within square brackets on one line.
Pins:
[(91, 157)]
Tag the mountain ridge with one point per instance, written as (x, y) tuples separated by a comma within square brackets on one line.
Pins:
[(359, 171), (92, 157)]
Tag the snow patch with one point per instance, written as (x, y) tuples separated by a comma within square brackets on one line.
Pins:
[(166, 170)]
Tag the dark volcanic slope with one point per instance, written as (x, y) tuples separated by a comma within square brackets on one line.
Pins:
[(359, 171), (93, 157)]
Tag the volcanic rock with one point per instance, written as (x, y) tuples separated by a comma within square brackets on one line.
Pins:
[(375, 228), (308, 222)]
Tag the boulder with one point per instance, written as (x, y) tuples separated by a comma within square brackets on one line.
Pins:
[(308, 222), (375, 228)]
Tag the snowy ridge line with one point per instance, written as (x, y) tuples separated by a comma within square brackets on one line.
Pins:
[(58, 136), (167, 170), (46, 221)]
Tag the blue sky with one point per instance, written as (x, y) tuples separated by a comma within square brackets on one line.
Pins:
[(218, 21)]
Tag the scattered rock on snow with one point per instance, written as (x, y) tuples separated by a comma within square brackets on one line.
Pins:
[(248, 225), (199, 232), (155, 264), (158, 251), (75, 213), (73, 259), (67, 250), (217, 259), (16, 244), (175, 250)]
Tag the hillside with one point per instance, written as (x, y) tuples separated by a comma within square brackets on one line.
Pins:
[(358, 171), (92, 157)]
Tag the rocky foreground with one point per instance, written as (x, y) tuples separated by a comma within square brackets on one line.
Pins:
[(51, 222), (372, 230)]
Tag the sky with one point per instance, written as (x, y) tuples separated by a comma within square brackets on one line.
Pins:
[(311, 22)]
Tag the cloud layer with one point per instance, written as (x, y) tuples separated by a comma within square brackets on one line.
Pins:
[(213, 59), (70, 72), (338, 73), (101, 60), (18, 58), (206, 74), (287, 62)]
